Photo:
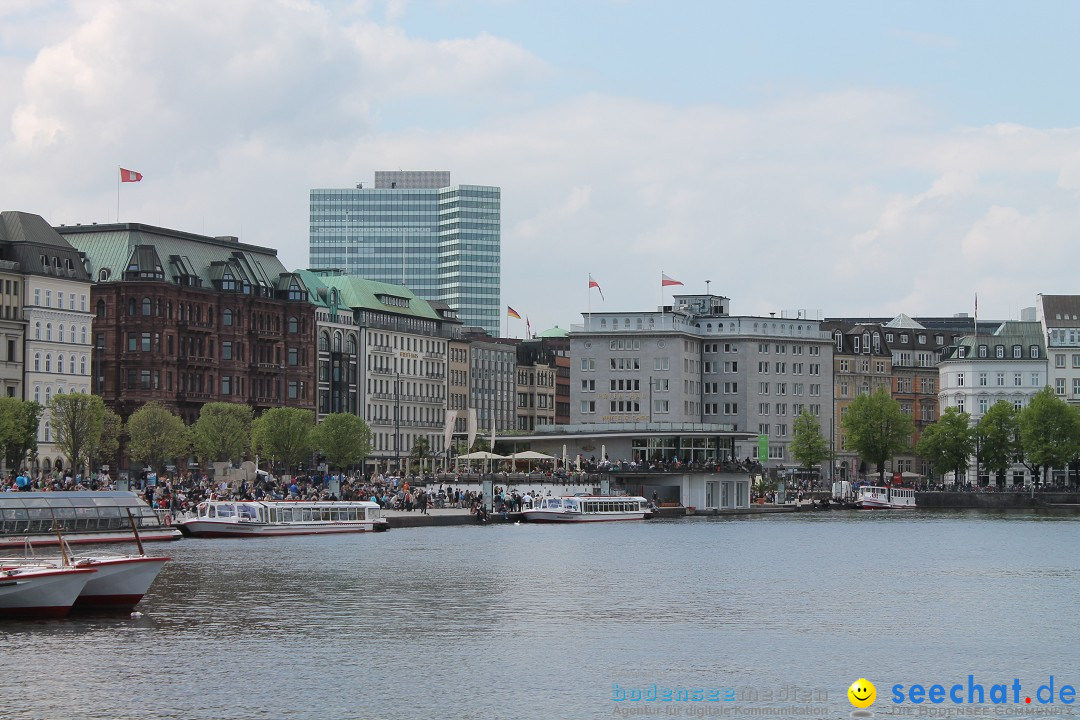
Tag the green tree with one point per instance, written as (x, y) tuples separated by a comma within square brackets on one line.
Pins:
[(156, 435), (808, 446), (18, 430), (949, 442), (284, 434), (420, 450), (1049, 432), (222, 432), (77, 422), (998, 434), (877, 428), (343, 439)]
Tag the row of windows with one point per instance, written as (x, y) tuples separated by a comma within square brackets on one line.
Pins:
[(48, 367), (999, 351), (984, 379), (61, 335), (59, 298)]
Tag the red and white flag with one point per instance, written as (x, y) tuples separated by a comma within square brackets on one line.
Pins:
[(129, 175), (665, 280), (594, 284)]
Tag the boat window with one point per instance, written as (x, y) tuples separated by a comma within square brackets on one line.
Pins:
[(248, 512), (226, 511)]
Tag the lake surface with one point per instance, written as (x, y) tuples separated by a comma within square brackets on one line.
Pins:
[(538, 621)]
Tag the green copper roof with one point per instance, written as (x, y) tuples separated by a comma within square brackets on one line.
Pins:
[(555, 332), (361, 294)]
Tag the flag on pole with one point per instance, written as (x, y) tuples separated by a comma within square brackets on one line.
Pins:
[(528, 328), (665, 280), (594, 284), (512, 312), (129, 175)]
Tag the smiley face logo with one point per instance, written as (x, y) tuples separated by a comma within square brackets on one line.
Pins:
[(862, 693)]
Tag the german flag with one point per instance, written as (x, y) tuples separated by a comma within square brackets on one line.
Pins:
[(512, 312)]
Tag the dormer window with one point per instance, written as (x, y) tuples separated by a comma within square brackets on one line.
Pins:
[(44, 263), (999, 351), (839, 342), (1018, 352), (1034, 351)]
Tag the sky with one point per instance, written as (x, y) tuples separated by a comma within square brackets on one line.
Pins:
[(841, 158)]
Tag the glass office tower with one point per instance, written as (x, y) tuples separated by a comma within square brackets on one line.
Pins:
[(415, 229)]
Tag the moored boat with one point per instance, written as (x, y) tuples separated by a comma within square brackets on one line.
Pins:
[(248, 518), (873, 497), (83, 516), (587, 508), (120, 582), (28, 592)]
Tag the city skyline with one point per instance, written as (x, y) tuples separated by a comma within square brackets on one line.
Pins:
[(847, 159)]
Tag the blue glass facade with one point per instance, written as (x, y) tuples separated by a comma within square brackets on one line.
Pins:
[(443, 243)]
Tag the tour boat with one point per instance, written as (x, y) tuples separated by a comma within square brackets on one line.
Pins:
[(248, 518), (885, 498), (40, 591), (587, 508), (83, 516)]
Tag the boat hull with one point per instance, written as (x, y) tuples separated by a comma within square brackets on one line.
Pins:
[(42, 593), (212, 529), (572, 517), (119, 583)]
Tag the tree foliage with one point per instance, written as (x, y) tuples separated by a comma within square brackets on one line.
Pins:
[(77, 423), (222, 432), (877, 428), (112, 427), (998, 434), (808, 446), (284, 434), (156, 435), (949, 442), (1049, 431), (343, 439), (18, 430)]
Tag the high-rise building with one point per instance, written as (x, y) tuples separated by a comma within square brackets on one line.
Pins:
[(415, 229)]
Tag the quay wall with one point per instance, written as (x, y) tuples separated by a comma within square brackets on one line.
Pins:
[(996, 500)]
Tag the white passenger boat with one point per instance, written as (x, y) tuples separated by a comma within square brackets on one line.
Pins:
[(587, 508), (83, 516), (246, 518), (40, 592), (872, 497)]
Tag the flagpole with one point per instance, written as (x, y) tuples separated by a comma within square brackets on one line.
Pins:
[(589, 313), (117, 193)]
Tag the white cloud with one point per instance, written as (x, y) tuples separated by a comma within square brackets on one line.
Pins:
[(851, 201)]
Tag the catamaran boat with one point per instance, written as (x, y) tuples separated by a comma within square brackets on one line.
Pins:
[(885, 498), (40, 591), (587, 508), (83, 516), (119, 583), (247, 518)]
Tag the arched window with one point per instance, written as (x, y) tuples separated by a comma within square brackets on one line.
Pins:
[(147, 306), (350, 344), (71, 365), (48, 331), (60, 333), (82, 335), (48, 396), (131, 307), (226, 317), (101, 309), (82, 365), (324, 342), (37, 330), (294, 326), (337, 342), (48, 363), (103, 275), (60, 364), (37, 394), (47, 432), (37, 362)]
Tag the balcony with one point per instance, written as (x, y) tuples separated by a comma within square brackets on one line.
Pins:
[(383, 349), (200, 326), (382, 422), (195, 361)]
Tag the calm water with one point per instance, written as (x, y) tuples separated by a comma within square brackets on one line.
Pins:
[(535, 621)]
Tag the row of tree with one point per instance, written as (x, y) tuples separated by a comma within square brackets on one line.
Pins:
[(1045, 434), (88, 433)]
